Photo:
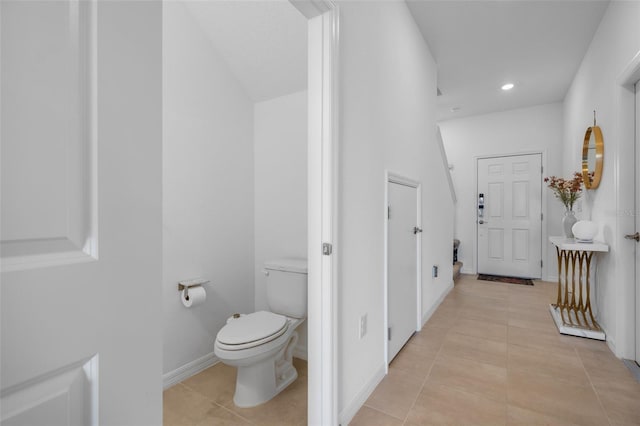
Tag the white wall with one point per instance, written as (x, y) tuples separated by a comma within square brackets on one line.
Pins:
[(388, 84), (595, 87), (280, 186), (207, 189), (525, 130)]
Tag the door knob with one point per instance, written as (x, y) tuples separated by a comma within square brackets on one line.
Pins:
[(416, 229), (635, 236), (482, 222)]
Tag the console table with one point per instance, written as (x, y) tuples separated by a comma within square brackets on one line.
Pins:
[(572, 311)]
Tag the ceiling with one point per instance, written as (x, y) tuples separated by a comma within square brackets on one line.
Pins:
[(481, 45), (264, 43)]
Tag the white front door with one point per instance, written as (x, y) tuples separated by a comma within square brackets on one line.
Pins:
[(402, 265), (81, 229), (510, 221)]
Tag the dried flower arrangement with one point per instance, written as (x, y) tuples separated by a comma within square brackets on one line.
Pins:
[(566, 190)]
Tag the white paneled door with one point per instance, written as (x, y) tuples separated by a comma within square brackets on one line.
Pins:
[(509, 216), (81, 230), (637, 215), (402, 265)]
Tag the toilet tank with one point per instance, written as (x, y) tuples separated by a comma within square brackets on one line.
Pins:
[(287, 287)]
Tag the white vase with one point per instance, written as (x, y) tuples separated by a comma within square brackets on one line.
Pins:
[(585, 230), (568, 221)]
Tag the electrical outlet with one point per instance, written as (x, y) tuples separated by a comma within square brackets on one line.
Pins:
[(363, 326)]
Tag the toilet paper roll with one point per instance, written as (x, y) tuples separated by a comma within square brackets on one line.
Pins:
[(193, 296)]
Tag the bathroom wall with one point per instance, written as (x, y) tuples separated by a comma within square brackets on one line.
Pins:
[(524, 130), (208, 196), (388, 94), (280, 187), (595, 87)]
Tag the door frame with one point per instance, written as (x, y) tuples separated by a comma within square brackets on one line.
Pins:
[(543, 203), (322, 319), (391, 177), (629, 298)]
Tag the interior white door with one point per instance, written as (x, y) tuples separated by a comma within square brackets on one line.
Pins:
[(510, 224), (402, 266), (81, 229), (637, 215)]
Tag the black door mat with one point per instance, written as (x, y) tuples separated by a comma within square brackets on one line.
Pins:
[(511, 280)]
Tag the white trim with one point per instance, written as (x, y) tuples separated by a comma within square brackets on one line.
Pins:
[(445, 162), (322, 209), (624, 262), (435, 306), (24, 263), (544, 234), (352, 408), (190, 369), (392, 177)]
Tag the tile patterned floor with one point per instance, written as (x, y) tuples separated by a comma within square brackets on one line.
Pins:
[(207, 399), (491, 355)]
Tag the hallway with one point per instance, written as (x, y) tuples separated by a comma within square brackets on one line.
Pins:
[(492, 355)]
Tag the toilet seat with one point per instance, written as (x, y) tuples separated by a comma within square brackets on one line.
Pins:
[(251, 330)]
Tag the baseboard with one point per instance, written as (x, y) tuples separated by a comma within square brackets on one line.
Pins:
[(194, 367), (300, 352), (352, 408), (467, 270), (430, 311)]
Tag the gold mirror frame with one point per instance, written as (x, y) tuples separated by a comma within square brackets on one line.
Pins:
[(592, 183)]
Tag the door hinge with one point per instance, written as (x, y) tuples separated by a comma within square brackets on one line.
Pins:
[(327, 249), (388, 212), (541, 216), (389, 333), (541, 169), (541, 264)]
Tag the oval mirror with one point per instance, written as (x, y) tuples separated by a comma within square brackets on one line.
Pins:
[(592, 157)]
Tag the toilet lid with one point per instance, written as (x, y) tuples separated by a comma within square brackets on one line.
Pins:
[(257, 328)]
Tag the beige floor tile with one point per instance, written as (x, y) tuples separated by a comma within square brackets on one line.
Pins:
[(495, 291), (589, 345), (217, 383), (489, 314), (444, 318), (414, 359), (537, 339), (185, 407), (441, 405), (470, 376), (288, 408), (603, 366), (557, 365), (517, 416), (396, 393), (623, 408), (370, 417), (430, 339), (468, 347), (575, 404), (481, 329)]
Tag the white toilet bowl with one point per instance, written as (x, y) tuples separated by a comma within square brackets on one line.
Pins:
[(261, 346)]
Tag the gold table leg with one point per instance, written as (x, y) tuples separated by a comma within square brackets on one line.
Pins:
[(575, 266)]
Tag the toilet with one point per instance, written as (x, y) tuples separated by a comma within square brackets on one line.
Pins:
[(261, 344)]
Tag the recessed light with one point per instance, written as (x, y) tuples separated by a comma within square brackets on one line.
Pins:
[(508, 86)]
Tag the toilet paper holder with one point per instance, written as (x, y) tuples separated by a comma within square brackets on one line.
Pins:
[(187, 284)]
